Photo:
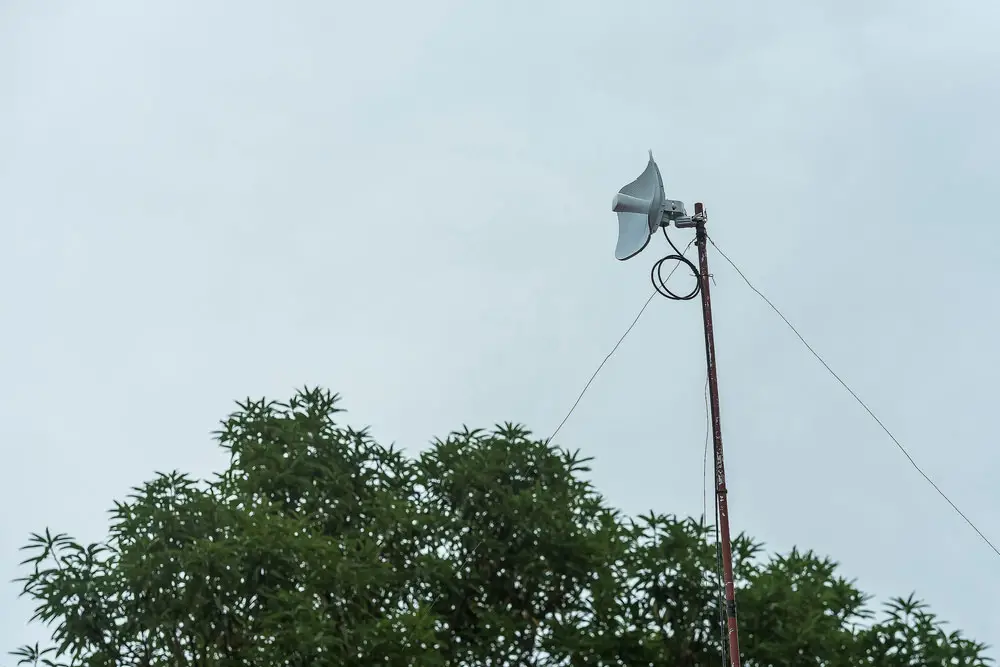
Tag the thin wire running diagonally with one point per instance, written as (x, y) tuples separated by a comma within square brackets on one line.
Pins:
[(860, 402), (614, 349)]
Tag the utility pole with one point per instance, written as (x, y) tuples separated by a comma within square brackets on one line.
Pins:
[(721, 493), (643, 209)]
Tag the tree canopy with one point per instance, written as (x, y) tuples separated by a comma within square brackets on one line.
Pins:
[(318, 546)]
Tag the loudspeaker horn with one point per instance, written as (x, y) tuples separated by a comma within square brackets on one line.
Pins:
[(639, 206)]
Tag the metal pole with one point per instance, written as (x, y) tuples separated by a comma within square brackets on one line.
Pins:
[(720, 467)]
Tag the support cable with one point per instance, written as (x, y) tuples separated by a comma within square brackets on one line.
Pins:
[(860, 402)]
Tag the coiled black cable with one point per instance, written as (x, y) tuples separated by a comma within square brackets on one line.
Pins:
[(660, 283)]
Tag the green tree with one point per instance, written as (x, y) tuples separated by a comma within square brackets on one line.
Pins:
[(318, 546)]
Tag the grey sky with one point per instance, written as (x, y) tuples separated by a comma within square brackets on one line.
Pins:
[(409, 203)]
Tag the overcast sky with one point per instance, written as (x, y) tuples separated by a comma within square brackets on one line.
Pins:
[(409, 203)]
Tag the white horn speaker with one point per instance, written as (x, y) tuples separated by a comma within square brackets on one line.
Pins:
[(639, 206)]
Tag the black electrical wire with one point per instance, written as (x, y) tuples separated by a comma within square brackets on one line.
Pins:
[(704, 458), (660, 283)]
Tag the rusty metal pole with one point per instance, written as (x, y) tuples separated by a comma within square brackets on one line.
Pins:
[(721, 499)]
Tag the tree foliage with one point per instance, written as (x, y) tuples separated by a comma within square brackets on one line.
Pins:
[(318, 546)]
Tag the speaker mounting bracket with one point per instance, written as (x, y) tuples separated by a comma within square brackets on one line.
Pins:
[(673, 210)]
